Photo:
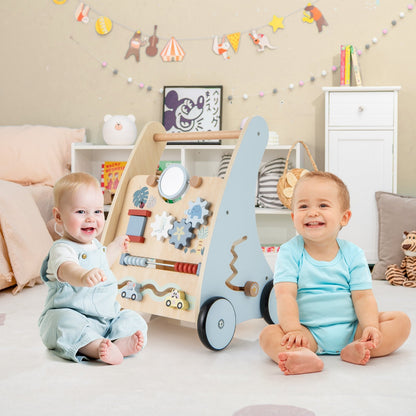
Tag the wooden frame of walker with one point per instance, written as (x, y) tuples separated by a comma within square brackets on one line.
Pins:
[(233, 282)]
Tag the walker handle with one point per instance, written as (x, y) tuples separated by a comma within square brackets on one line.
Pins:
[(199, 135)]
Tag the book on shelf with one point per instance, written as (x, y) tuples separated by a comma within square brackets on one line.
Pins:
[(163, 164), (270, 248), (347, 66), (355, 66), (342, 66), (111, 174)]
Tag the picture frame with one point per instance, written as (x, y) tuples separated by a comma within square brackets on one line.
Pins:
[(192, 109)]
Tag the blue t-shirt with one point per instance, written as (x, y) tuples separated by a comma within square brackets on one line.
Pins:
[(324, 287)]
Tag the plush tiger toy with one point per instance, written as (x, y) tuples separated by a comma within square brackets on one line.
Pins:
[(405, 275)]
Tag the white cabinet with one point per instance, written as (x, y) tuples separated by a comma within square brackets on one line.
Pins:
[(361, 148), (274, 225)]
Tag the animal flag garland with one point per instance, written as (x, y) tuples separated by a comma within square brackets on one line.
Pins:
[(173, 50)]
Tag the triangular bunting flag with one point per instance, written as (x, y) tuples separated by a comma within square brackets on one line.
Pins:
[(234, 39)]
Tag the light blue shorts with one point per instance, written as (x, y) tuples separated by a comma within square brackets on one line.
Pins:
[(332, 339), (65, 331)]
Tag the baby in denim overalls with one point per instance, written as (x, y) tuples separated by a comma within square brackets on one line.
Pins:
[(81, 318)]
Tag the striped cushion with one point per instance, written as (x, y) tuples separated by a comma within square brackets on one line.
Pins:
[(269, 175), (225, 161)]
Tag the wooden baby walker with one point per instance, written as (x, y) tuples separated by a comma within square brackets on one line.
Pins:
[(194, 252)]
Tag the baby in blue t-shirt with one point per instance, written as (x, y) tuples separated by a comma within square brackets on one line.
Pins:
[(325, 303)]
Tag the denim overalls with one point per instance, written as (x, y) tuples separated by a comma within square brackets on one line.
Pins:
[(75, 316)]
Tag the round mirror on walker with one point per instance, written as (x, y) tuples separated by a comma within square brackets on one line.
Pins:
[(173, 182)]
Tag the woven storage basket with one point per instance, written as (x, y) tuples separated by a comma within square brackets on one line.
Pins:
[(289, 178)]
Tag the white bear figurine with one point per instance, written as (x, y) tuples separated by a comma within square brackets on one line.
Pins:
[(119, 130)]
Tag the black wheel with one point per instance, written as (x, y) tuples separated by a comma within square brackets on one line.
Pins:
[(179, 305), (133, 296), (268, 304), (168, 302), (123, 294), (216, 323)]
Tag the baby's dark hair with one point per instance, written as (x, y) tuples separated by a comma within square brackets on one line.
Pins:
[(344, 195)]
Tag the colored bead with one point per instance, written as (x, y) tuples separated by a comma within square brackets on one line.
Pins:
[(291, 86), (312, 78), (103, 64), (324, 73), (230, 97), (393, 23), (115, 71), (274, 90), (261, 94), (141, 85), (245, 96), (301, 83), (129, 80), (384, 31), (374, 40), (334, 68)]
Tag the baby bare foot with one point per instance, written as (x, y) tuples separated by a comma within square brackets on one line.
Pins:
[(358, 352), (130, 345), (301, 361), (109, 353)]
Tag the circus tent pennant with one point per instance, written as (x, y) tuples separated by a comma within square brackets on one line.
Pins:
[(172, 52)]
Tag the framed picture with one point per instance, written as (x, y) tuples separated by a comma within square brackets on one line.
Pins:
[(192, 109)]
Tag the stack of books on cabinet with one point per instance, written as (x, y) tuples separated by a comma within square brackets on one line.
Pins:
[(349, 66)]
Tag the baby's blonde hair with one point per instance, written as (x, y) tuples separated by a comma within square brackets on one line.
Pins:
[(344, 195), (71, 182)]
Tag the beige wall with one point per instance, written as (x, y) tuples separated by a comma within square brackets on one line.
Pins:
[(46, 78)]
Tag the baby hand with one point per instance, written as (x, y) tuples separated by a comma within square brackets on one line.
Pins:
[(122, 242), (373, 334), (295, 338), (93, 277)]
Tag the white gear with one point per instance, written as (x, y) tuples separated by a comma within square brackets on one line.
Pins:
[(162, 225)]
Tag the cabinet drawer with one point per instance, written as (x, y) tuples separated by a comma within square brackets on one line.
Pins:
[(361, 109)]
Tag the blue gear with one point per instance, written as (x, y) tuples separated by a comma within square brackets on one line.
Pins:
[(181, 234), (198, 212)]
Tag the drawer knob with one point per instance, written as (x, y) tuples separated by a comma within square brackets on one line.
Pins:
[(360, 109)]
